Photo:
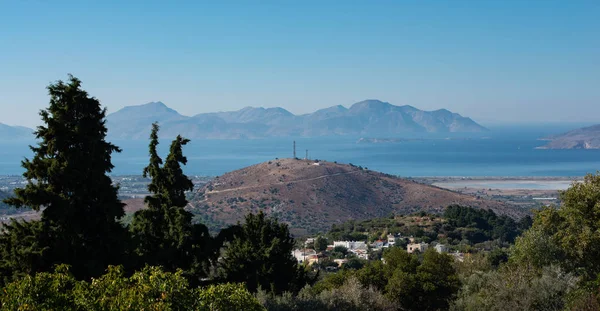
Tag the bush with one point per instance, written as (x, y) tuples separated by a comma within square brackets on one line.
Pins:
[(148, 289), (351, 295), (226, 297), (43, 291), (515, 288)]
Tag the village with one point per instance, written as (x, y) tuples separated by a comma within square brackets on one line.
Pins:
[(342, 254)]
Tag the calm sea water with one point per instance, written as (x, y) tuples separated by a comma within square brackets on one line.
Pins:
[(502, 152)]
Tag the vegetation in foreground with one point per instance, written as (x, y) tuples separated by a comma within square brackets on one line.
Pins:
[(80, 256)]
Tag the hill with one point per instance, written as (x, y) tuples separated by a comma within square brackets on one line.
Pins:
[(8, 132), (583, 138), (311, 196), (369, 117)]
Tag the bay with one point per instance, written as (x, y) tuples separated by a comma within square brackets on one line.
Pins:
[(502, 152)]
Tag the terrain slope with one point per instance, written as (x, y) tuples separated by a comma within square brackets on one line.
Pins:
[(311, 196)]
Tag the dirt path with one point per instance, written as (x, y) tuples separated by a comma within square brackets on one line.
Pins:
[(282, 182)]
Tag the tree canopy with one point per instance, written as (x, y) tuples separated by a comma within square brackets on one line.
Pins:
[(68, 181), (164, 233), (260, 255)]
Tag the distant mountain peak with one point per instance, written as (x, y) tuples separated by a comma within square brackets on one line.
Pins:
[(338, 108), (156, 105), (150, 108), (371, 103)]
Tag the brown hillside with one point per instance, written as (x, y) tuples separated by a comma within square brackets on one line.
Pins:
[(311, 196)]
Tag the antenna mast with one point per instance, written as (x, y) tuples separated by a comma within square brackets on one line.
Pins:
[(294, 149)]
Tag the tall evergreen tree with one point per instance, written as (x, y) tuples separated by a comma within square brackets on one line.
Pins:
[(164, 232), (67, 179), (260, 255)]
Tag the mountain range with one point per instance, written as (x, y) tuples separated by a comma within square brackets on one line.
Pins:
[(582, 138), (8, 132), (369, 117)]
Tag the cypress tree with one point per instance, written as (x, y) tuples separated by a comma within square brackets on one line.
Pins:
[(260, 256), (164, 232), (67, 180)]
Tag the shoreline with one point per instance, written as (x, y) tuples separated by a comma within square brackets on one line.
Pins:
[(502, 183)]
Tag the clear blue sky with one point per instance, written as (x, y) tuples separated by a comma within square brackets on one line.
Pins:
[(495, 61)]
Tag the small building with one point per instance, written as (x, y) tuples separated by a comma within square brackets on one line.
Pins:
[(360, 253), (309, 241), (416, 247), (340, 262), (441, 248), (391, 239), (379, 244), (303, 255), (351, 244)]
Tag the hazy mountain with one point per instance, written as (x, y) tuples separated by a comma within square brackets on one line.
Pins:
[(370, 117), (135, 122), (583, 138), (8, 132)]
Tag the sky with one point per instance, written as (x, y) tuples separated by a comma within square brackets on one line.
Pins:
[(494, 61)]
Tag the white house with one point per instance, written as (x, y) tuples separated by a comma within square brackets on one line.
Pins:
[(441, 248), (414, 247), (378, 245), (303, 254), (350, 245), (391, 239), (360, 253)]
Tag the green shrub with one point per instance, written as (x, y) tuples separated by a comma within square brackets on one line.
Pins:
[(515, 288), (148, 289), (43, 291), (227, 297)]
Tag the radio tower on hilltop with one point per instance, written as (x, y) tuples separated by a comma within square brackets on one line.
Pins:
[(294, 149)]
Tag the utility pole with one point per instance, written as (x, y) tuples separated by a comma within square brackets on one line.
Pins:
[(294, 149)]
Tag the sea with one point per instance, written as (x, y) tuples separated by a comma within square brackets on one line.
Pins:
[(504, 151)]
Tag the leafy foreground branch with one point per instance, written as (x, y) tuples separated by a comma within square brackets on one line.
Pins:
[(148, 289)]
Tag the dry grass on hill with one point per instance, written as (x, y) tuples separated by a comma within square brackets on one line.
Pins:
[(311, 196)]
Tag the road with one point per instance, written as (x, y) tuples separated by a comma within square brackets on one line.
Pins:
[(282, 182)]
